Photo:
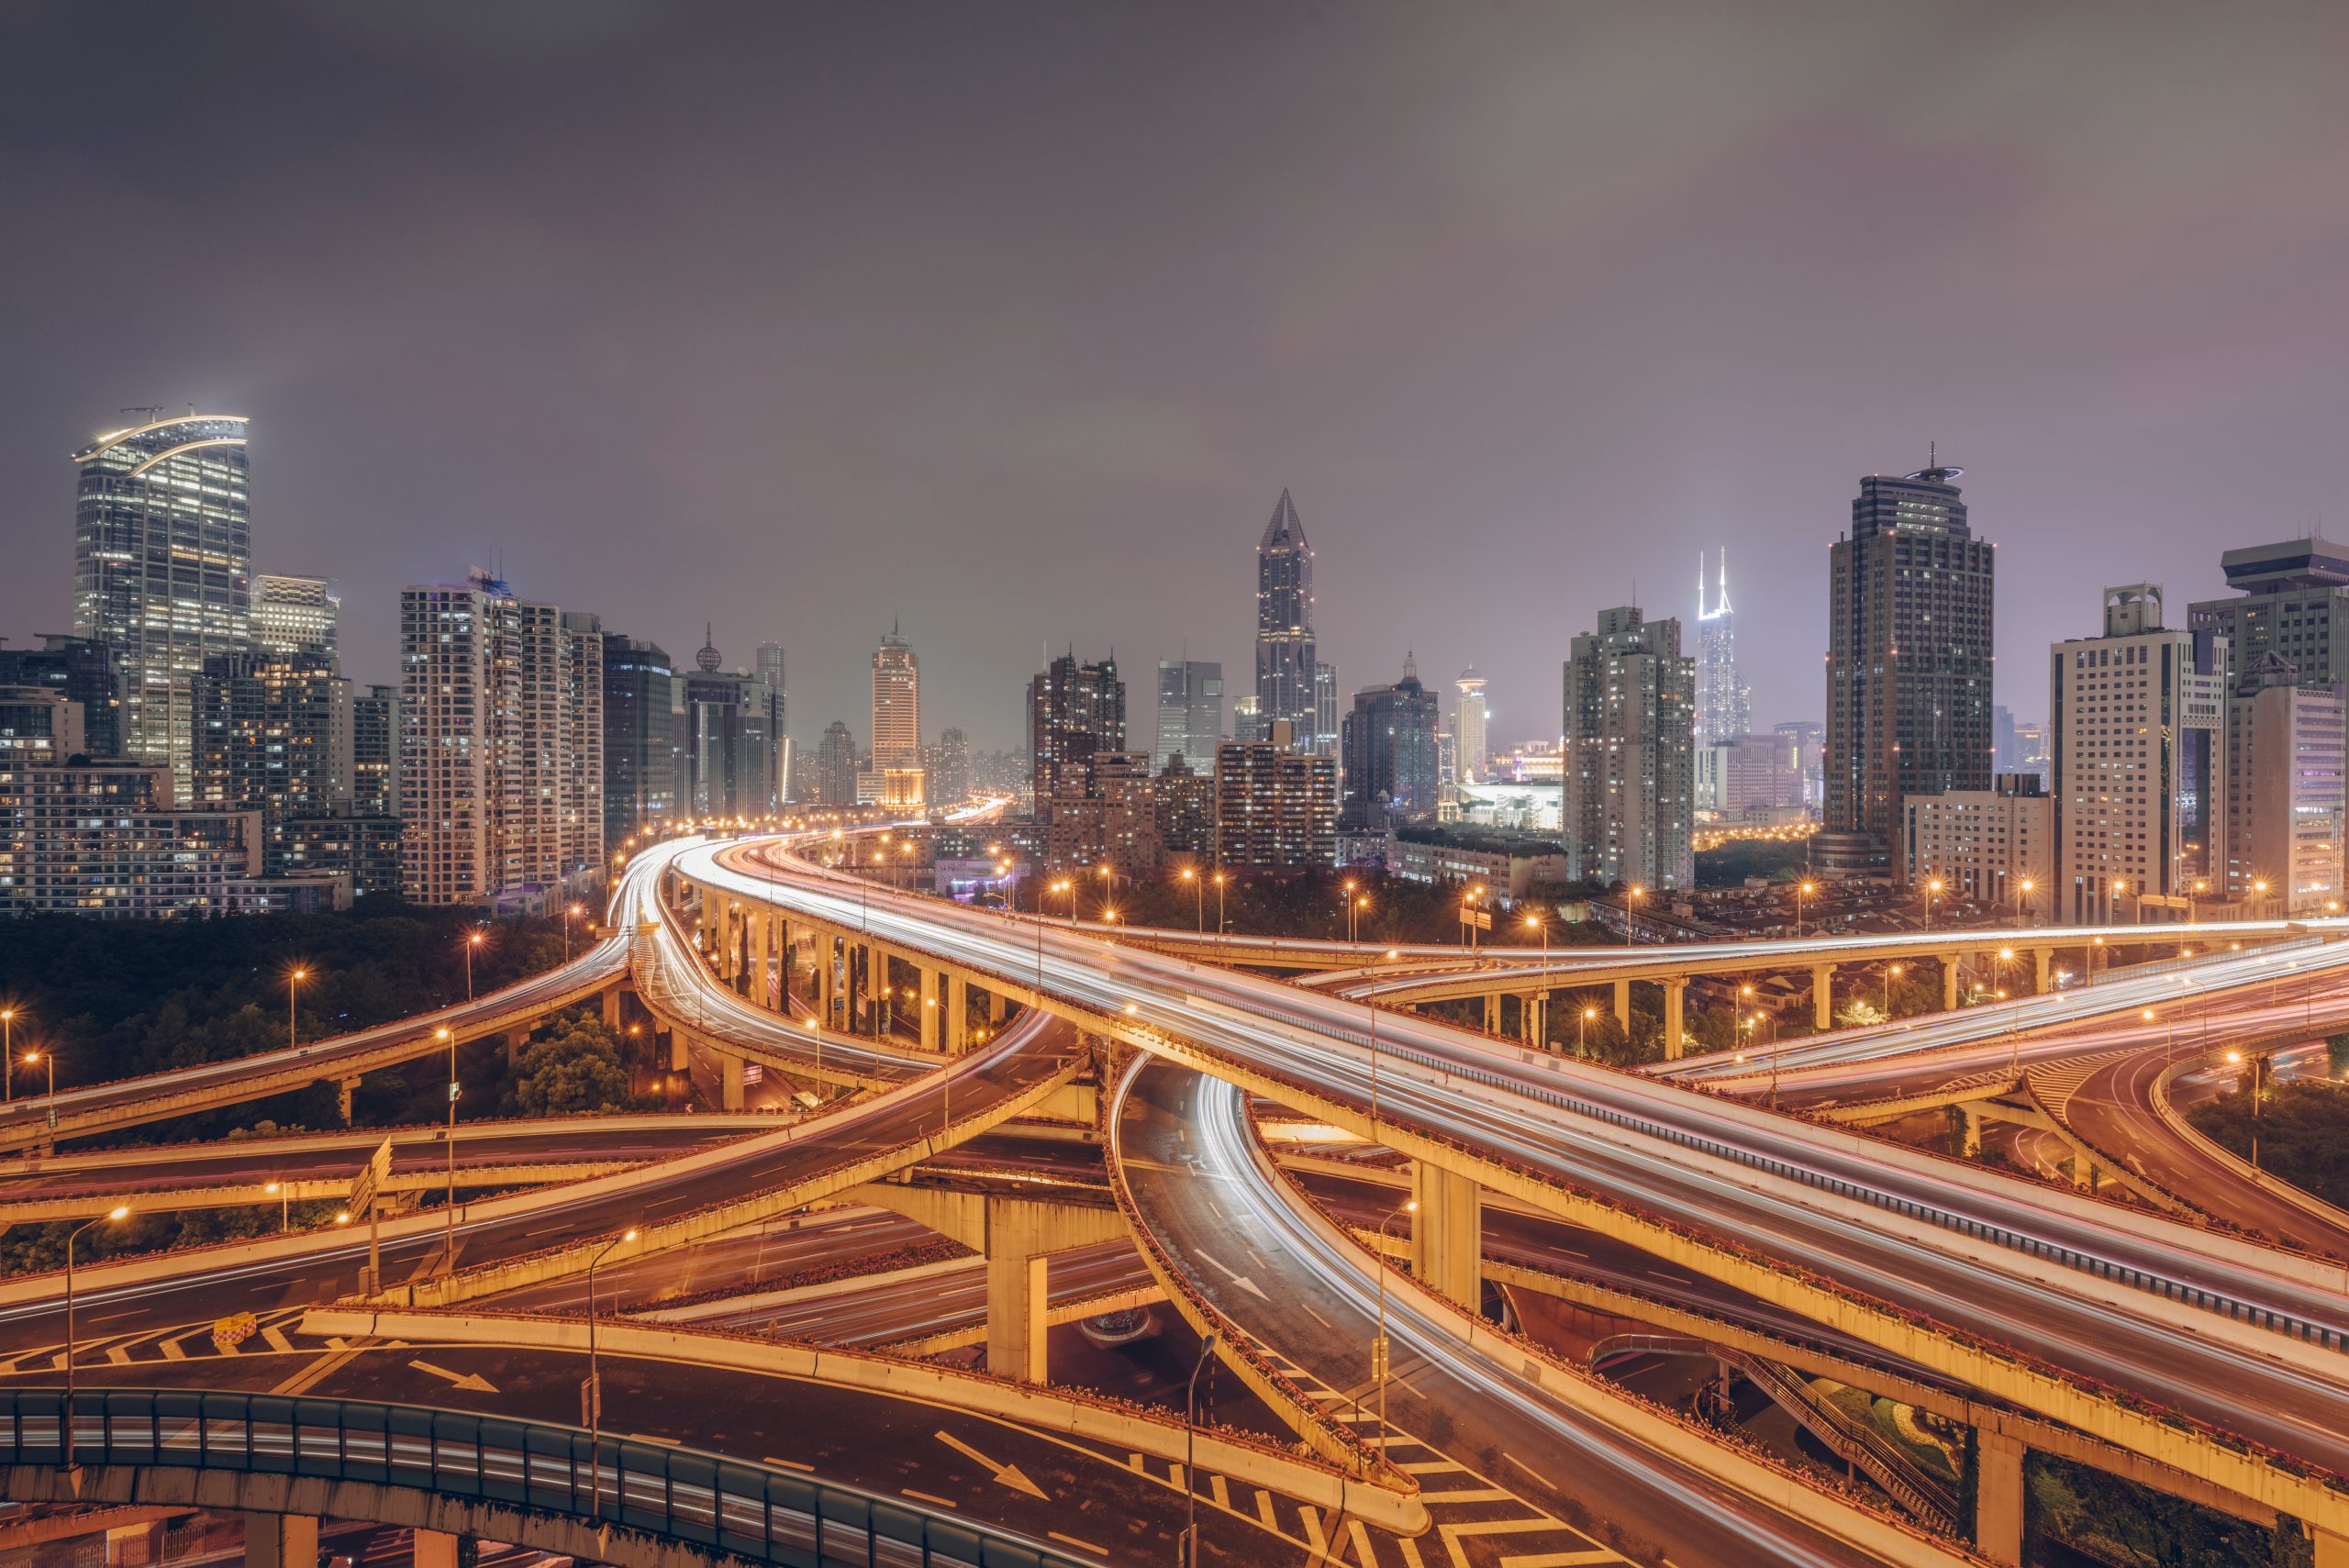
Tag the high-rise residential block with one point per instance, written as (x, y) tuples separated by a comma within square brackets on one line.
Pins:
[(1471, 754), (1908, 627), (1393, 770), (640, 738), (2139, 755), (1190, 711), (836, 767), (1285, 646), (375, 752), (81, 671), (38, 727), (1185, 809), (2284, 792), (1075, 709), (949, 768), (294, 617), (273, 734), (1275, 807), (100, 840), (163, 570), (1995, 846), (1106, 818), (495, 704), (1628, 792)]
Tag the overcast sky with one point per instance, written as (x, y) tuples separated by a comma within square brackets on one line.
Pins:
[(1013, 320)]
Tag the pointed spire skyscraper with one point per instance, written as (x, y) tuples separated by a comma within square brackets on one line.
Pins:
[(1724, 704), (1285, 649)]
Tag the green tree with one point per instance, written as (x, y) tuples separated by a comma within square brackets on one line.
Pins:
[(2303, 1129), (578, 1067)]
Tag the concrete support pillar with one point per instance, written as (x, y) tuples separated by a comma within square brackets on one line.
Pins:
[(957, 1007), (342, 1098), (998, 1008), (517, 1040), (678, 1059), (1998, 1497), (826, 979), (1532, 1018), (1676, 1017), (1623, 1002), (1447, 1234), (1823, 995), (610, 998), (1019, 1296), (754, 968), (2043, 959), (435, 1549), (1969, 1132), (280, 1540), (2331, 1550), (730, 1083), (1492, 1012), (1948, 983)]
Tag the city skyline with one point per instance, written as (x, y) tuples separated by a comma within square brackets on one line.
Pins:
[(1545, 405)]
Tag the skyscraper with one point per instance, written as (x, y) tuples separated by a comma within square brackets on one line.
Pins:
[(897, 704), (639, 737), (1804, 739), (1469, 754), (1909, 627), (1284, 661), (2293, 601), (295, 615), (1392, 768), (770, 667), (1190, 712), (2284, 794), (950, 774), (1724, 705), (1075, 709), (79, 670), (731, 748), (1628, 807), (162, 569), (493, 712), (1323, 743), (1275, 808), (273, 734), (2139, 723), (836, 767)]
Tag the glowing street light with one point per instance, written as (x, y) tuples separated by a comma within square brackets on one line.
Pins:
[(115, 1213)]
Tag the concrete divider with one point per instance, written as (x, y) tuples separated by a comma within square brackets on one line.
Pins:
[(2315, 1207), (1059, 1410), (245, 1194)]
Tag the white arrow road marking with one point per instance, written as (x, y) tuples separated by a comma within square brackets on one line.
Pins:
[(471, 1380), (1007, 1474), (1243, 1281)]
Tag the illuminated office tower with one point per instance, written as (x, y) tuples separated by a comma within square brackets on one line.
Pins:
[(1724, 705), (1284, 661), (163, 570), (1468, 745), (897, 704), (836, 766), (1190, 712), (1327, 720), (1392, 768), (294, 617), (639, 737)]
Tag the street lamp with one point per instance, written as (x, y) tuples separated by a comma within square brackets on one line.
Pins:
[(1378, 1348), (1891, 973), (472, 940), (594, 1382), (66, 1447), (284, 1206), (1355, 906), (2022, 902), (1190, 1470), (8, 1048), (1199, 899), (445, 1033), (1582, 1031), (1220, 880), (1632, 917), (2121, 886), (49, 1057), (1933, 891), (1803, 890), (293, 979), (571, 912)]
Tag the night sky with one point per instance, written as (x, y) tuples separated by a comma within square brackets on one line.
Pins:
[(1012, 321)]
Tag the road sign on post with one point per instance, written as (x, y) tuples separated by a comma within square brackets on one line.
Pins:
[(365, 1187)]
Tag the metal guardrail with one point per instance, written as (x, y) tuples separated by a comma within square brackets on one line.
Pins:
[(748, 1511)]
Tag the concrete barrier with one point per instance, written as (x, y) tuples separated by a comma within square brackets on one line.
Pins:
[(1047, 1409)]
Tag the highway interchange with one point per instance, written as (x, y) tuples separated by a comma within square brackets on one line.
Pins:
[(1629, 1158)]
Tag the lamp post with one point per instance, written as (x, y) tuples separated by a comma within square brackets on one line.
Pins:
[(570, 913), (1933, 892), (445, 1033), (1891, 973), (1199, 900), (1190, 1471), (2235, 1058), (8, 1048), (284, 1206), (2119, 887), (1220, 880), (65, 1447), (1378, 1348), (1803, 890), (596, 1382), (2024, 891), (472, 940), (293, 979), (1582, 1031), (1355, 906), (48, 1057), (1632, 914)]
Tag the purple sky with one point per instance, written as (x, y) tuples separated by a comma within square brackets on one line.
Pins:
[(1013, 320)]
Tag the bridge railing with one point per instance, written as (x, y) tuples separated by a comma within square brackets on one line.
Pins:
[(749, 1511)]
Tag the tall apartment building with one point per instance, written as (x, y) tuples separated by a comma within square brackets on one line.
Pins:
[(497, 700), (1909, 601), (273, 734), (1286, 665), (83, 673), (2140, 742), (836, 767), (375, 752), (1275, 807), (639, 737), (1108, 816), (2284, 791), (1074, 710), (102, 839), (1628, 793), (1393, 764), (1471, 753), (38, 727), (1995, 846), (163, 570), (1190, 711), (294, 618), (949, 768), (1185, 809)]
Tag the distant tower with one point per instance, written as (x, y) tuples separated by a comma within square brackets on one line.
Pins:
[(1284, 661), (1468, 727), (897, 704), (1724, 705)]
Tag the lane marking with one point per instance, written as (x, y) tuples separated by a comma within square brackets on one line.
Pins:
[(1010, 1475), (928, 1497), (1082, 1545)]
